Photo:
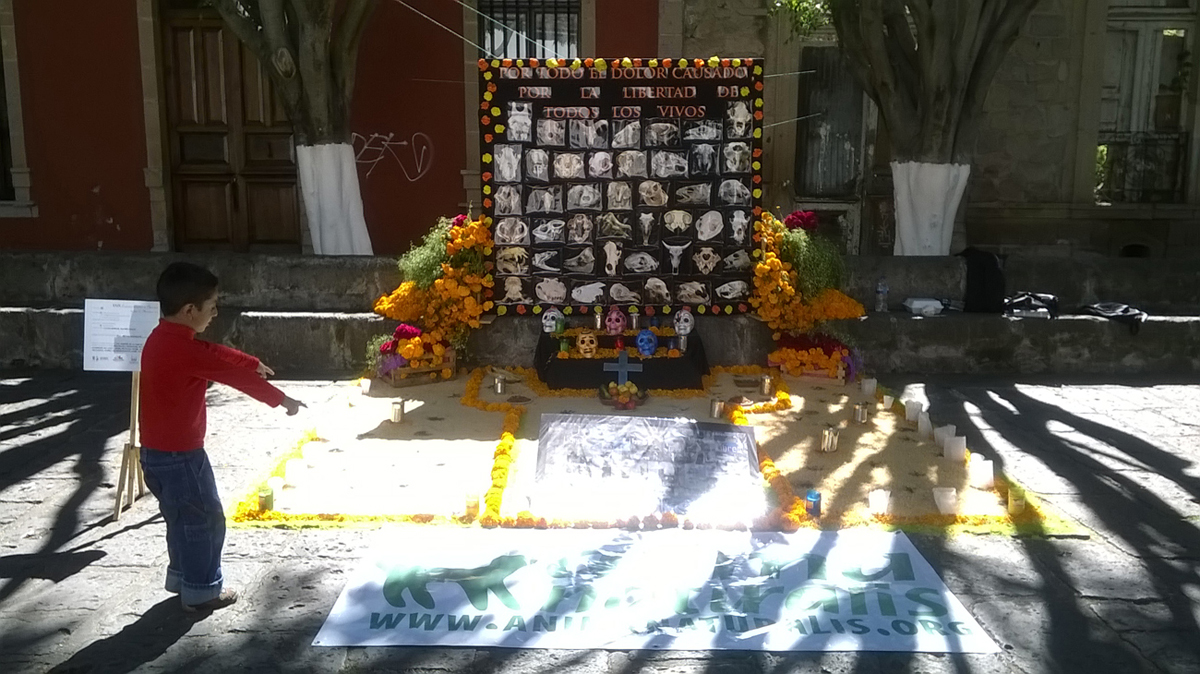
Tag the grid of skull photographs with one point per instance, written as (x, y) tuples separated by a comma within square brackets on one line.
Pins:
[(638, 188)]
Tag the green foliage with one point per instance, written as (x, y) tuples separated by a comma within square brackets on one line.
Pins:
[(373, 355), (1101, 172), (805, 15), (423, 263), (817, 261)]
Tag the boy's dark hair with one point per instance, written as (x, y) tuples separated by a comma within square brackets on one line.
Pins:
[(184, 283)]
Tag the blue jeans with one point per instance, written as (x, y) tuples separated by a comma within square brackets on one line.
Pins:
[(187, 496)]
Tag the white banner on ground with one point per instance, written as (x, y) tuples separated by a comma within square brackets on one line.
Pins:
[(114, 332), (669, 589)]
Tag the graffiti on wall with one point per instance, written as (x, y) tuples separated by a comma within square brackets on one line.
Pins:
[(414, 156)]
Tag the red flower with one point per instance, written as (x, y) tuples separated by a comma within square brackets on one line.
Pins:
[(806, 220), (406, 331), (387, 347), (459, 220)]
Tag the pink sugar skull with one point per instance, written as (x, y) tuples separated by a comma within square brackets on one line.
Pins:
[(615, 321)]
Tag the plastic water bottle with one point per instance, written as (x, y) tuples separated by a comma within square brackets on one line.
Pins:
[(881, 291)]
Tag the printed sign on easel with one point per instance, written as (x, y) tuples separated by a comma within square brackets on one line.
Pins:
[(114, 332)]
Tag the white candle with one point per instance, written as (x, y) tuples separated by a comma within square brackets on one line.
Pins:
[(946, 499), (912, 408), (877, 501), (887, 403), (364, 385), (868, 386), (924, 425), (980, 473), (943, 433), (955, 448), (1016, 501)]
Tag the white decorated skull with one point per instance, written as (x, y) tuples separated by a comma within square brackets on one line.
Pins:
[(550, 320), (684, 322)]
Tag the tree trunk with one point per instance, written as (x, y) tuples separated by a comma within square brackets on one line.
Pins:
[(332, 199), (311, 59), (927, 198), (927, 65)]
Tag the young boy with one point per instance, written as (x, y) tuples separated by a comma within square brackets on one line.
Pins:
[(176, 370)]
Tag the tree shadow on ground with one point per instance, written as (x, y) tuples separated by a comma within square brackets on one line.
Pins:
[(138, 643), (89, 412)]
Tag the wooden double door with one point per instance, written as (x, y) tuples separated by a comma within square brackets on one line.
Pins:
[(232, 158)]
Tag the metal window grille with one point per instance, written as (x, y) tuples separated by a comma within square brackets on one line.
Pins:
[(551, 26), (1142, 168)]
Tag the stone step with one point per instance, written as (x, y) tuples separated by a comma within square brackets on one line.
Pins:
[(351, 284), (333, 343)]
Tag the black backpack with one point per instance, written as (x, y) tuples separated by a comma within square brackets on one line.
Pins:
[(1115, 311), (985, 282)]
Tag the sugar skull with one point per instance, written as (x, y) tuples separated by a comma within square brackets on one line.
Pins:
[(615, 321), (551, 319), (586, 343), (647, 342), (684, 322)]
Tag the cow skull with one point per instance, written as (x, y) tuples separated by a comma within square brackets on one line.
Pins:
[(676, 253)]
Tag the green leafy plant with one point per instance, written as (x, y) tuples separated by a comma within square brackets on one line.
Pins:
[(817, 261), (373, 354), (806, 15), (422, 264)]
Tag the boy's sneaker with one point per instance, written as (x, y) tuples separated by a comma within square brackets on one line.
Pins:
[(226, 598)]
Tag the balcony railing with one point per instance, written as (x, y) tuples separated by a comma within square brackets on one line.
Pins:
[(1141, 168)]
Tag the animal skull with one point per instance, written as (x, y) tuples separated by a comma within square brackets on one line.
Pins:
[(512, 231), (550, 230), (677, 221), (646, 222), (641, 263), (588, 294), (696, 195), (657, 292), (508, 200), (582, 263), (612, 257), (512, 261), (551, 291), (738, 222), (579, 229), (706, 260), (613, 225), (542, 259), (709, 226), (619, 293), (615, 321), (734, 290), (600, 164), (734, 193), (508, 163), (739, 119), (684, 322), (620, 197), (550, 320), (652, 193), (513, 291), (586, 343), (676, 253), (693, 292), (738, 260)]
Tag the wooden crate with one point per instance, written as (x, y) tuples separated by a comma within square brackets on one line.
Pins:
[(420, 375)]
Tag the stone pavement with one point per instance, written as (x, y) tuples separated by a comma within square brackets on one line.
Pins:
[(79, 593)]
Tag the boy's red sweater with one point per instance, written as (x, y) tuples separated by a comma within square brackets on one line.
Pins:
[(176, 369)]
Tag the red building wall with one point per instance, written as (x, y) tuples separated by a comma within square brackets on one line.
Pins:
[(627, 28), (81, 92), (408, 106)]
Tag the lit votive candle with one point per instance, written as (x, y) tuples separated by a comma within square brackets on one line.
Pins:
[(943, 433), (877, 501), (956, 448), (912, 408), (924, 425)]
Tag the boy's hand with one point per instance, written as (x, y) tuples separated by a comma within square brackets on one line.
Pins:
[(292, 406), (263, 370)]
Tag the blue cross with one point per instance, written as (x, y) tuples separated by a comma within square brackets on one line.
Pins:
[(622, 367)]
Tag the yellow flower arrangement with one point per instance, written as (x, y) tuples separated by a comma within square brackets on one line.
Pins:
[(776, 296)]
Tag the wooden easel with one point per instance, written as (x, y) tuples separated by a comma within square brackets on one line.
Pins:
[(131, 462)]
